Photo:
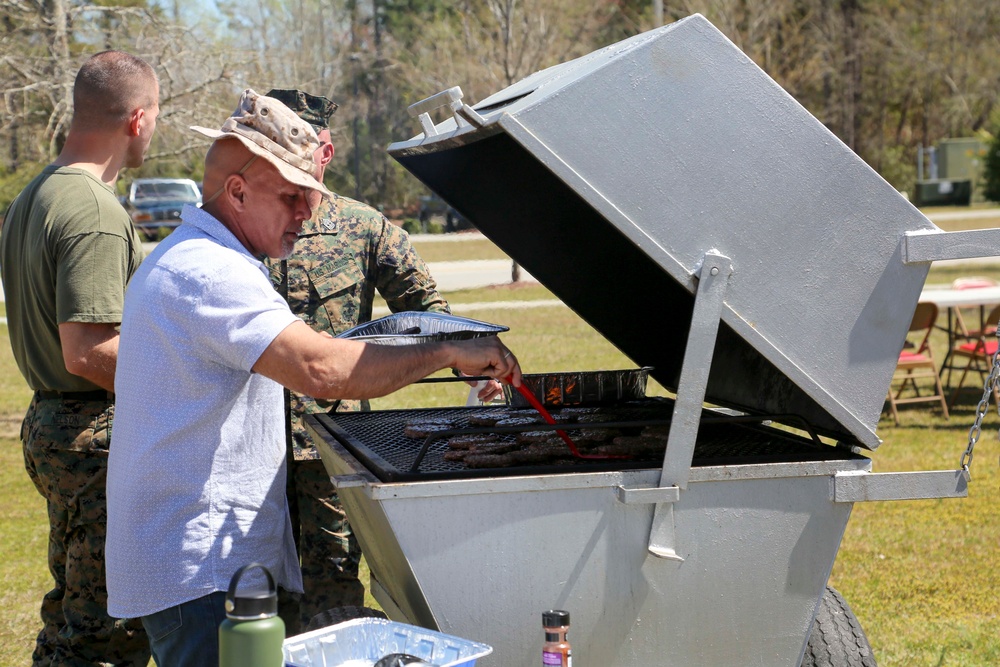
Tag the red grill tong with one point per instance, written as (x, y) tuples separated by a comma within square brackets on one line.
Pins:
[(537, 405)]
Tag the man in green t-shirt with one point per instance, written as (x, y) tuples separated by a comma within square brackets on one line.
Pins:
[(67, 251)]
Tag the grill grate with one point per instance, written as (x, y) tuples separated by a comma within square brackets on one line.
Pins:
[(377, 439)]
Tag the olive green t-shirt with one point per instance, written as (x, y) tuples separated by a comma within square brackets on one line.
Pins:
[(67, 251)]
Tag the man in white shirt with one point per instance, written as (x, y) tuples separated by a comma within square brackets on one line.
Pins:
[(196, 483)]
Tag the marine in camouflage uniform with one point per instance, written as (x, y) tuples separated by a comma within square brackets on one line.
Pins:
[(67, 251), (345, 253), (66, 456)]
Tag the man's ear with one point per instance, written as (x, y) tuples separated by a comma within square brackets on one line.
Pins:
[(135, 121), (326, 154), (236, 190)]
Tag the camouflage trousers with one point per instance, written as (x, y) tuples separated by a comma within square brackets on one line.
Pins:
[(328, 550), (66, 456)]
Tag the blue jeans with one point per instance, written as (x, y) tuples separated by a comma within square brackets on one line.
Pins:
[(187, 635)]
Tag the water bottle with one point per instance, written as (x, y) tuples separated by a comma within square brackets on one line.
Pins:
[(252, 633)]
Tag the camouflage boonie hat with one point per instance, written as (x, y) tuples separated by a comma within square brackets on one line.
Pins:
[(313, 109), (270, 130)]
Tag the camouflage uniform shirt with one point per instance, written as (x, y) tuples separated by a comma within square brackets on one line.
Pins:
[(346, 252)]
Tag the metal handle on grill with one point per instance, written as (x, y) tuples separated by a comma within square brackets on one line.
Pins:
[(452, 98)]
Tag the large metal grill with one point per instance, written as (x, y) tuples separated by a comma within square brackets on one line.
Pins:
[(672, 173), (377, 438)]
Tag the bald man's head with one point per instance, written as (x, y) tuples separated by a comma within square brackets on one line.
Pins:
[(225, 157)]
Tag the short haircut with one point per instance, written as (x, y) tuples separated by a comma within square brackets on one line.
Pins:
[(109, 87)]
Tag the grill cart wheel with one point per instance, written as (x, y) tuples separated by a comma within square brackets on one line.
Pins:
[(340, 615), (837, 639)]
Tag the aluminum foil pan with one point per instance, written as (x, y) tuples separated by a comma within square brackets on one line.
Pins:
[(409, 328), (582, 387), (362, 642)]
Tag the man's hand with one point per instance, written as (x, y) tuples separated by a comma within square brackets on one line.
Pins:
[(488, 389), (488, 356)]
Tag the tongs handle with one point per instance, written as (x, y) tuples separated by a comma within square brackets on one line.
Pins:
[(537, 405)]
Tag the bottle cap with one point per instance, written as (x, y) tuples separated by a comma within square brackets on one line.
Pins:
[(555, 618), (251, 605)]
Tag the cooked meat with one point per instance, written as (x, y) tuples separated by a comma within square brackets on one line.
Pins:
[(421, 428), (636, 446), (487, 418), (578, 410), (593, 418), (519, 421), (564, 417), (493, 447), (542, 452), (590, 436), (487, 460), (469, 439), (528, 437)]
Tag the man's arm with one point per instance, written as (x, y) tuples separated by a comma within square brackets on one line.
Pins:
[(405, 282), (324, 367), (402, 276), (90, 351)]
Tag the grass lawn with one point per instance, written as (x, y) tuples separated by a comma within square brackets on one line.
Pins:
[(922, 576), (450, 251)]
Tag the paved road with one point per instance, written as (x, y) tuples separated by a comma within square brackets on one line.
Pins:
[(451, 276)]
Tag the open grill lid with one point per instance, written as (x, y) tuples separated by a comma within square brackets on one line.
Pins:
[(610, 176)]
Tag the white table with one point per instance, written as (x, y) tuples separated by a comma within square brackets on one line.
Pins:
[(952, 299), (958, 298)]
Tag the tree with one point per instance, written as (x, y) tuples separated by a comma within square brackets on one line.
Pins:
[(43, 47), (991, 170), (886, 76)]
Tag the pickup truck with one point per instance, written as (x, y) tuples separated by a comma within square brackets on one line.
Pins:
[(157, 202)]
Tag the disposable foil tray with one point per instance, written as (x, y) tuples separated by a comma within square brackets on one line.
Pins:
[(582, 387), (364, 641), (409, 328)]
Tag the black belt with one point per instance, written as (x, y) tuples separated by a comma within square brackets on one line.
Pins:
[(96, 395)]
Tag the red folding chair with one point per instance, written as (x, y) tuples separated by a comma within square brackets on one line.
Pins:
[(979, 353), (917, 362)]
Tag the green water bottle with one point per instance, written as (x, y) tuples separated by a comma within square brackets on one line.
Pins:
[(252, 633)]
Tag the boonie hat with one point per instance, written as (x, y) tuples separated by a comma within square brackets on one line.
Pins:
[(272, 131), (313, 109)]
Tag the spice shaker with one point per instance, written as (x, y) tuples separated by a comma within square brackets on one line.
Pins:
[(556, 651)]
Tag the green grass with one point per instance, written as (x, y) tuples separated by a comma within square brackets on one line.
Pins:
[(922, 576), (14, 393), (24, 577), (453, 251)]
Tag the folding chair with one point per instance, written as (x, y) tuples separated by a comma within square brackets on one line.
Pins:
[(979, 353), (961, 328), (917, 362)]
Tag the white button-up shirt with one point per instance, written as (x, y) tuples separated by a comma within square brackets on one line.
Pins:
[(196, 476)]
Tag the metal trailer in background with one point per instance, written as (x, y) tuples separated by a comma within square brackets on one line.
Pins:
[(683, 204)]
